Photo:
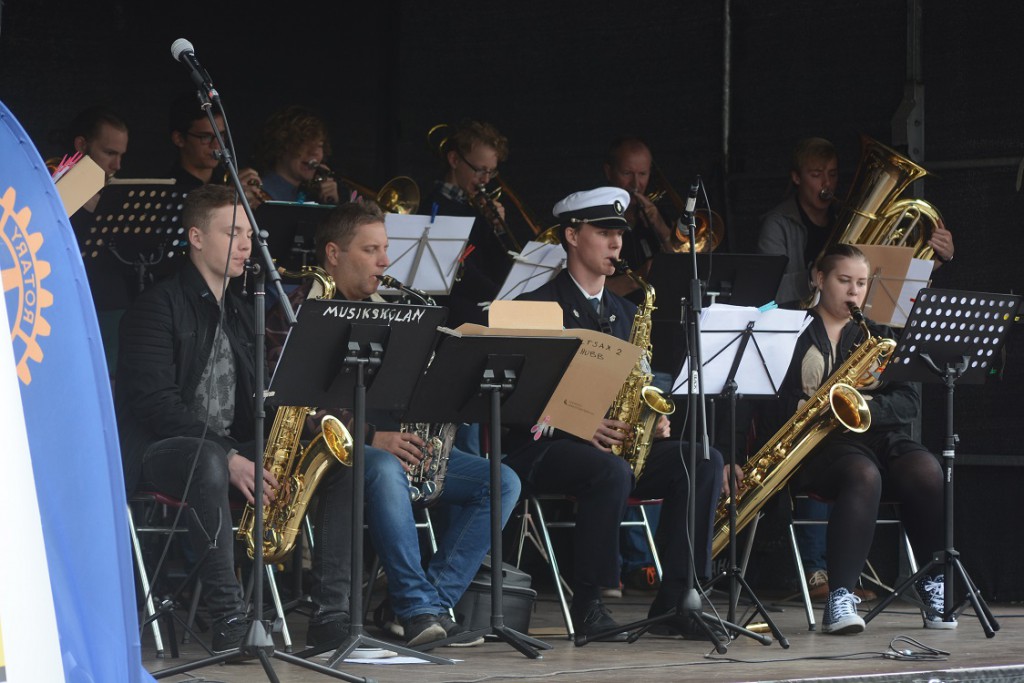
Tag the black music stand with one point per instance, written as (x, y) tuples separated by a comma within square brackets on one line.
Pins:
[(493, 379), (358, 353), (736, 279), (950, 337), (291, 227), (139, 224), (732, 354)]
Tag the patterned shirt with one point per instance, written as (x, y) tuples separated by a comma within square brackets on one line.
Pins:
[(219, 404)]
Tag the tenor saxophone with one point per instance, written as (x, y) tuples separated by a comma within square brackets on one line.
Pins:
[(836, 404), (638, 402), (297, 470)]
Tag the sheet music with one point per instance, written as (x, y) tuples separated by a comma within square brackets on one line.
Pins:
[(425, 254), (918, 275), (775, 333), (537, 265)]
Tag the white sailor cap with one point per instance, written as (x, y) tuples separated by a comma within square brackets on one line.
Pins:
[(604, 207)]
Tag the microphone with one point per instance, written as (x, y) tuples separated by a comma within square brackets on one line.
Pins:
[(691, 203), (182, 51)]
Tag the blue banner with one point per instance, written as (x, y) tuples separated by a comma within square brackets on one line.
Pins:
[(71, 434)]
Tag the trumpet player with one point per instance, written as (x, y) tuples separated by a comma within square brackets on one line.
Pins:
[(291, 152), (198, 160), (185, 381), (592, 225), (351, 246), (470, 158)]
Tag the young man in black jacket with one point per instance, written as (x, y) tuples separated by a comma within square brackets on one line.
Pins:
[(184, 400)]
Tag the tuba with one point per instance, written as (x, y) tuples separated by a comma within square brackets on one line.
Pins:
[(836, 403), (297, 470), (873, 213), (639, 403)]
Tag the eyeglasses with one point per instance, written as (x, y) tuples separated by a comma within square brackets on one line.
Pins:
[(489, 172), (205, 138)]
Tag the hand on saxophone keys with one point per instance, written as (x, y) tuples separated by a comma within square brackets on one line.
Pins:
[(610, 433), (727, 482), (242, 475), (406, 446)]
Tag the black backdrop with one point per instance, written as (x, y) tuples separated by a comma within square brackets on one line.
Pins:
[(563, 78)]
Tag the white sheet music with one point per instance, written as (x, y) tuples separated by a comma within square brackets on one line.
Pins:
[(775, 333), (424, 254), (535, 266), (917, 279)]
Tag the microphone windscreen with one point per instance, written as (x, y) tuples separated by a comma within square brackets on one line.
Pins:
[(179, 46)]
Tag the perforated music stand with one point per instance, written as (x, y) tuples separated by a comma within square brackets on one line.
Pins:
[(356, 353), (950, 337), (139, 224), (496, 380), (291, 227)]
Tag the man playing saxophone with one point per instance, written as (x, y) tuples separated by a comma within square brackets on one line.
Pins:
[(853, 469), (592, 225), (185, 381), (351, 245)]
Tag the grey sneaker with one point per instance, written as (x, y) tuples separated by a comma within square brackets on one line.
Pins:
[(932, 591), (841, 613)]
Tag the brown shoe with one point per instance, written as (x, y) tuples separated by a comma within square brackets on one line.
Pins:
[(865, 594), (817, 585)]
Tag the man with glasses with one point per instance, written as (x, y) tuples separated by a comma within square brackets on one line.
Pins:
[(470, 158), (198, 161)]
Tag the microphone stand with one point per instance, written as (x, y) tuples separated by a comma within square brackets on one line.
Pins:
[(257, 642)]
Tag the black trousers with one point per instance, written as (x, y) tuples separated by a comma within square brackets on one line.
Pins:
[(601, 483)]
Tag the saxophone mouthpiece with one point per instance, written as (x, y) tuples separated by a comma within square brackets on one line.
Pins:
[(621, 267), (856, 313), (389, 281)]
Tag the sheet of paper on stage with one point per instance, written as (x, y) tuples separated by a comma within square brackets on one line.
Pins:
[(917, 279), (888, 270), (590, 383), (525, 315), (79, 184), (424, 254), (774, 334), (537, 265)]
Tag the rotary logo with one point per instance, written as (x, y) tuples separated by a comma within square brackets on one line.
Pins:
[(23, 273)]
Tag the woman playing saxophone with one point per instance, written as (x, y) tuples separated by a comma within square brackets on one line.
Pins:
[(852, 469)]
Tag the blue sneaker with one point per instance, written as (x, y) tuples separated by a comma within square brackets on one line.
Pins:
[(841, 613)]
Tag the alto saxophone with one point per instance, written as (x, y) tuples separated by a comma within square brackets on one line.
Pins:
[(836, 403), (297, 470), (426, 479), (639, 403)]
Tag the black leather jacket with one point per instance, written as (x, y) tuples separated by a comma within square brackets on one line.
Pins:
[(166, 339)]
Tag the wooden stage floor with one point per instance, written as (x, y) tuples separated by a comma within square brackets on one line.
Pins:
[(811, 655)]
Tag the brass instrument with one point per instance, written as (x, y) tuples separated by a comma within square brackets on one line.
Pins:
[(639, 403), (873, 212), (835, 404), (484, 201), (297, 471), (426, 479), (401, 194), (710, 228)]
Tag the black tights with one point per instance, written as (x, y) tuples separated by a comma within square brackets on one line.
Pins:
[(855, 485)]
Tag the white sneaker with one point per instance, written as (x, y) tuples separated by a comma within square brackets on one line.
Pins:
[(841, 613), (932, 590)]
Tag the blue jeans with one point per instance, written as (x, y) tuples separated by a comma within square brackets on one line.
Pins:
[(461, 549), (810, 538)]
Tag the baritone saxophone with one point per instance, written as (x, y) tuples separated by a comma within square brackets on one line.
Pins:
[(836, 404), (297, 470)]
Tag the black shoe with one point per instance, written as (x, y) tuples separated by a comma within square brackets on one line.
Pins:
[(228, 633), (680, 624), (330, 633), (454, 629), (593, 618), (423, 628)]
